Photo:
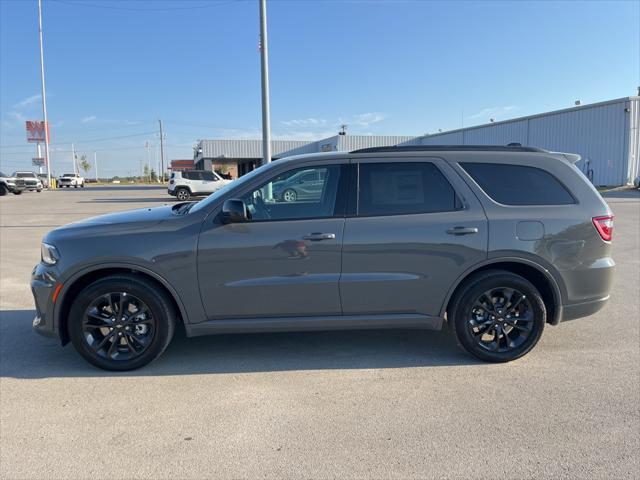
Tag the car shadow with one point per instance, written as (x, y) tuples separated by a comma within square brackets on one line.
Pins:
[(25, 354)]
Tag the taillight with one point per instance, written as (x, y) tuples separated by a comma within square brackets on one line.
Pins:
[(604, 226), (170, 182)]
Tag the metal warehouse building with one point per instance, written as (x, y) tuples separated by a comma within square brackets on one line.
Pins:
[(605, 134), (238, 157)]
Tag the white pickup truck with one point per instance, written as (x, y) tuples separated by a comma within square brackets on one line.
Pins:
[(71, 180)]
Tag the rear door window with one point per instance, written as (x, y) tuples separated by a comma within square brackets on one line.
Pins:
[(518, 184), (397, 188)]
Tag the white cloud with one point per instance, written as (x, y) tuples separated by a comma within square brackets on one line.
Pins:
[(17, 116), (304, 122), (367, 119), (305, 135), (28, 101), (88, 119), (493, 112)]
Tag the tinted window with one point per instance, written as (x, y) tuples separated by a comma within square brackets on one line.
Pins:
[(402, 188), (291, 196), (193, 175), (518, 185), (208, 176)]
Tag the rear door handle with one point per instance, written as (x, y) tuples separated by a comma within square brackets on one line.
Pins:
[(317, 236), (462, 230)]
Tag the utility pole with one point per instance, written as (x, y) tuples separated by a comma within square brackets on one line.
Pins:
[(95, 162), (264, 51), (161, 153), (73, 156), (148, 145), (44, 95)]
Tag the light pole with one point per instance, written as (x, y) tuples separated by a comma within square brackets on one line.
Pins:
[(264, 50), (44, 94)]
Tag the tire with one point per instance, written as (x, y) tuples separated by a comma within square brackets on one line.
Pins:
[(3, 190), (152, 340), (17, 192), (509, 327), (183, 194), (289, 195), (75, 186), (82, 185), (38, 190)]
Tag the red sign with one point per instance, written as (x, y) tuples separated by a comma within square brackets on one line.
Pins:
[(36, 131)]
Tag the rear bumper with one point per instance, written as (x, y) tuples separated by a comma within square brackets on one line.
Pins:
[(171, 192), (584, 309)]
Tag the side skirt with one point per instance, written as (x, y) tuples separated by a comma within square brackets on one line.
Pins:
[(300, 324)]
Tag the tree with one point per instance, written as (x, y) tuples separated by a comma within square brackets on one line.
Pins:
[(146, 173), (154, 176), (84, 164)]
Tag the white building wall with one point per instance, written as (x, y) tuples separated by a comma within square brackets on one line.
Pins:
[(605, 135)]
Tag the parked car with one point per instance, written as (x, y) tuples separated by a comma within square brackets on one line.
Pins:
[(31, 181), (495, 242), (304, 185), (192, 183), (71, 180), (44, 179), (10, 184)]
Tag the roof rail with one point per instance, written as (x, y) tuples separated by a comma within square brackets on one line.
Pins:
[(438, 148)]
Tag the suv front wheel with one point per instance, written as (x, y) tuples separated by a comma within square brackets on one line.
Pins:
[(497, 316), (121, 322)]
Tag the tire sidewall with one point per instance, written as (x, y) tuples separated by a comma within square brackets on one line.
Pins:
[(464, 304), (158, 305)]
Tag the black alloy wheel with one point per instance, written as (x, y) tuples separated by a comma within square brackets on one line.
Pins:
[(121, 322), (497, 316), (501, 319), (118, 326)]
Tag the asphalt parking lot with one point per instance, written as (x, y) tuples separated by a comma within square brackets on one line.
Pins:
[(378, 404)]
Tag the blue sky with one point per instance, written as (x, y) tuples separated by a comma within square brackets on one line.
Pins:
[(382, 67)]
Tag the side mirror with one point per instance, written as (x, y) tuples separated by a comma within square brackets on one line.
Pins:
[(234, 211)]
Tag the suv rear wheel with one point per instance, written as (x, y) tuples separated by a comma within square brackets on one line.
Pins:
[(497, 316), (121, 322), (183, 194), (3, 190)]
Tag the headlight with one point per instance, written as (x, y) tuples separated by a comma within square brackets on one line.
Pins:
[(49, 254)]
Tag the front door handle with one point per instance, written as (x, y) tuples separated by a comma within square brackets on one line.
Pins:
[(462, 230), (317, 236)]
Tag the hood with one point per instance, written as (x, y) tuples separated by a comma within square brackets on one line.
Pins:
[(116, 223)]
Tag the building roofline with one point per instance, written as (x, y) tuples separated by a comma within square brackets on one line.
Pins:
[(535, 115)]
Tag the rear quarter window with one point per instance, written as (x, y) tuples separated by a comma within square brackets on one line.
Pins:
[(518, 184)]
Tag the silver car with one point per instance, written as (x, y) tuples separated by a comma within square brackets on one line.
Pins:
[(494, 242)]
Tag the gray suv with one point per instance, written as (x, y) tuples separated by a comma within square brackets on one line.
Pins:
[(496, 242)]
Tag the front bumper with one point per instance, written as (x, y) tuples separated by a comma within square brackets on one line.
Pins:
[(44, 280), (14, 188), (171, 192)]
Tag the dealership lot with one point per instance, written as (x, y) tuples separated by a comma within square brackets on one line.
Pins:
[(381, 404)]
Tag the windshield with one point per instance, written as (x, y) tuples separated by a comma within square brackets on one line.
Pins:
[(3, 175), (25, 175), (69, 175), (214, 197)]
